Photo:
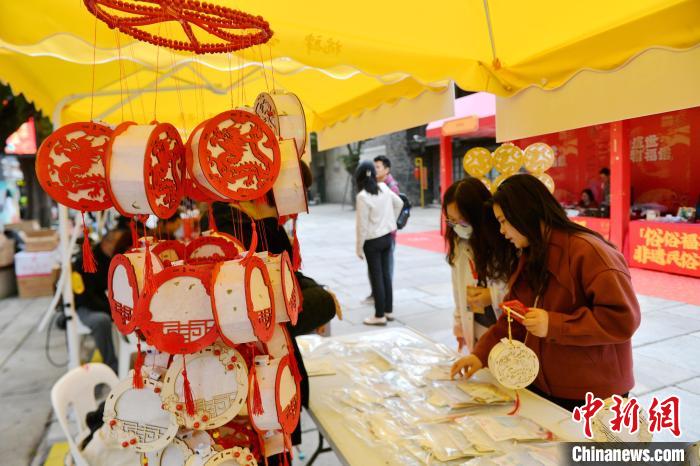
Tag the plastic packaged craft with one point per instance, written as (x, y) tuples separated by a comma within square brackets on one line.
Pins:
[(447, 442), (501, 428), (545, 454)]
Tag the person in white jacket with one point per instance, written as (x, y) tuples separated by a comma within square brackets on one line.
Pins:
[(481, 261), (377, 209)]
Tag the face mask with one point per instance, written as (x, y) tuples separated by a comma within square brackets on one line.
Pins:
[(463, 231)]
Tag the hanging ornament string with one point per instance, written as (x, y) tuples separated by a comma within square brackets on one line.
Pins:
[(177, 87), (272, 67), (262, 65), (155, 97), (138, 83), (121, 85), (123, 76), (509, 319), (94, 65), (230, 79)]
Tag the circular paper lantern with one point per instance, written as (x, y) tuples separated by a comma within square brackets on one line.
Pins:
[(243, 301), (169, 251), (125, 281), (218, 377), (280, 343), (225, 29), (600, 426), (284, 284), (239, 155), (280, 395), (70, 166), (508, 159), (539, 157), (513, 364), (175, 315), (477, 161), (213, 247), (144, 169), (235, 456), (546, 180), (283, 112), (175, 454), (201, 187), (135, 416)]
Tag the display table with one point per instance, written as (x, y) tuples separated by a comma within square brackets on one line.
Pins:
[(666, 247), (351, 450), (597, 224)]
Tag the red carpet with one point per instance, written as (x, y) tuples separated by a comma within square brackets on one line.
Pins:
[(646, 282)]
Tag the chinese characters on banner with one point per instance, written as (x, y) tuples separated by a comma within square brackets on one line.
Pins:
[(667, 247), (663, 414), (599, 225)]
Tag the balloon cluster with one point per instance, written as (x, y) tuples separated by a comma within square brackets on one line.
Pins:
[(537, 158), (218, 381)]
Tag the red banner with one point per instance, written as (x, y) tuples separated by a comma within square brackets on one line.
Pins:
[(668, 247), (599, 225)]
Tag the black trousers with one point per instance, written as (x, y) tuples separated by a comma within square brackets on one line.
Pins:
[(378, 253)]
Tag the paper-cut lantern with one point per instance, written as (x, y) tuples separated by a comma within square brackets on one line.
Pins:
[(280, 343), (243, 300), (169, 251), (547, 180), (213, 246), (239, 155), (279, 393), (175, 315), (285, 288), (125, 281), (175, 454), (477, 161), (539, 157), (218, 377), (136, 418), (201, 188), (283, 112), (144, 169), (236, 456), (508, 159), (513, 364), (289, 190), (70, 166)]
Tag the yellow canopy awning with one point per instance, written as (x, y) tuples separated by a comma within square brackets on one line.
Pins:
[(342, 59)]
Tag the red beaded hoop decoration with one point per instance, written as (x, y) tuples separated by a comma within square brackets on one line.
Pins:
[(70, 166), (136, 17)]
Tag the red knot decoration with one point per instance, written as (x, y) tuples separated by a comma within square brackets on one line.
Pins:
[(207, 28)]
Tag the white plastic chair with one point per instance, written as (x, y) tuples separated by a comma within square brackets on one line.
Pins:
[(76, 390), (127, 347)]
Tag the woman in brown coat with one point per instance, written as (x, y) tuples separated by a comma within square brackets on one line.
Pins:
[(583, 310)]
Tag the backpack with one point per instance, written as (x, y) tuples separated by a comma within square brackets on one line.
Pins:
[(405, 212)]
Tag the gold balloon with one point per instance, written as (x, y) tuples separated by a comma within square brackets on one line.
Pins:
[(508, 159), (547, 181), (486, 182), (499, 179), (539, 157), (477, 161)]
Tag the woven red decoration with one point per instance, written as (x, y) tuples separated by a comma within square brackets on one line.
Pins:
[(239, 155), (70, 166), (207, 28)]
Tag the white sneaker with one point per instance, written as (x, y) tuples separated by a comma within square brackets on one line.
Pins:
[(369, 300), (389, 316), (372, 320)]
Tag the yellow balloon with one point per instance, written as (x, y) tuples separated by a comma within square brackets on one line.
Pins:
[(547, 181), (486, 182), (508, 159), (539, 157), (477, 161), (499, 179)]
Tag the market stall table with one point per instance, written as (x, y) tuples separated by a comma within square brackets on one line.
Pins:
[(352, 450)]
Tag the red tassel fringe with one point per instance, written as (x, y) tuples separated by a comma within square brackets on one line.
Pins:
[(189, 399), (516, 406), (212, 221), (134, 233), (296, 253), (257, 398), (89, 262), (253, 243), (138, 364)]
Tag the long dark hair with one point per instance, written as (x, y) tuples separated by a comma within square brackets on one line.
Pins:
[(532, 210), (494, 256), (366, 177)]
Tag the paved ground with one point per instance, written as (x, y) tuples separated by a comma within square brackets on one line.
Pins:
[(666, 347)]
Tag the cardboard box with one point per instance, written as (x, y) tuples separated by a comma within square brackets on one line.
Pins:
[(31, 264), (23, 225), (8, 282), (7, 251), (37, 285), (39, 240)]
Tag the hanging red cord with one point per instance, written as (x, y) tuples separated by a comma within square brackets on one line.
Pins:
[(89, 262)]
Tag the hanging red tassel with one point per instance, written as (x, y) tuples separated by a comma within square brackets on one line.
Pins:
[(212, 221), (253, 243), (138, 364), (257, 398), (134, 233), (296, 253), (89, 262), (187, 389), (516, 406), (148, 272)]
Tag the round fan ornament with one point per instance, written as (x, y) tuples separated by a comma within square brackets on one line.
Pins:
[(175, 454), (477, 161), (513, 364), (239, 155), (283, 112), (136, 418), (279, 393), (206, 28), (175, 315), (70, 166), (235, 456), (508, 159), (212, 247), (218, 377), (144, 169), (539, 157)]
